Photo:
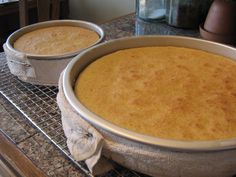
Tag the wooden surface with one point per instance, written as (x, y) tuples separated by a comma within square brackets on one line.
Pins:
[(55, 9), (9, 8), (43, 10), (14, 162), (24, 13), (46, 10)]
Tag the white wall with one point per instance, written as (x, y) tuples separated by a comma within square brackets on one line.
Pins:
[(99, 11)]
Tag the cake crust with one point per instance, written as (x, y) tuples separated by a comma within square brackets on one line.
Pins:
[(166, 92), (56, 40)]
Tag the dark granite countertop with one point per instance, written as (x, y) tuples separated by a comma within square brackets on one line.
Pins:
[(131, 26), (32, 142)]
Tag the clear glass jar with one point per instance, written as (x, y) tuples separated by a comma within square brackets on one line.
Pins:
[(151, 9), (186, 13)]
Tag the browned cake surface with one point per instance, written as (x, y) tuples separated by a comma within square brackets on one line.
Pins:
[(56, 40), (167, 92)]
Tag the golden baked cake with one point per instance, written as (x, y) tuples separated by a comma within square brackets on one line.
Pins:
[(166, 92), (56, 40)]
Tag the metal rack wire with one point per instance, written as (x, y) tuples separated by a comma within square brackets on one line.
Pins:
[(38, 105)]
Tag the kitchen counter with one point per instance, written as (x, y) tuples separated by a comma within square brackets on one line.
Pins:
[(35, 145)]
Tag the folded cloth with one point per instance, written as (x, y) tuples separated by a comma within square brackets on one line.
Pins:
[(83, 140), (19, 64)]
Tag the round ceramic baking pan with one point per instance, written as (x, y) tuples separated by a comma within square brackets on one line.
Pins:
[(43, 69), (81, 61)]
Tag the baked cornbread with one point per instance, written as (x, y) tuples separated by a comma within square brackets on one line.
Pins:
[(167, 92), (56, 40)]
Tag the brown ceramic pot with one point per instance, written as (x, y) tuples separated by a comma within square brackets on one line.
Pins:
[(220, 23)]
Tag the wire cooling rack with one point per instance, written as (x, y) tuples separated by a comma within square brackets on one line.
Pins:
[(38, 105)]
